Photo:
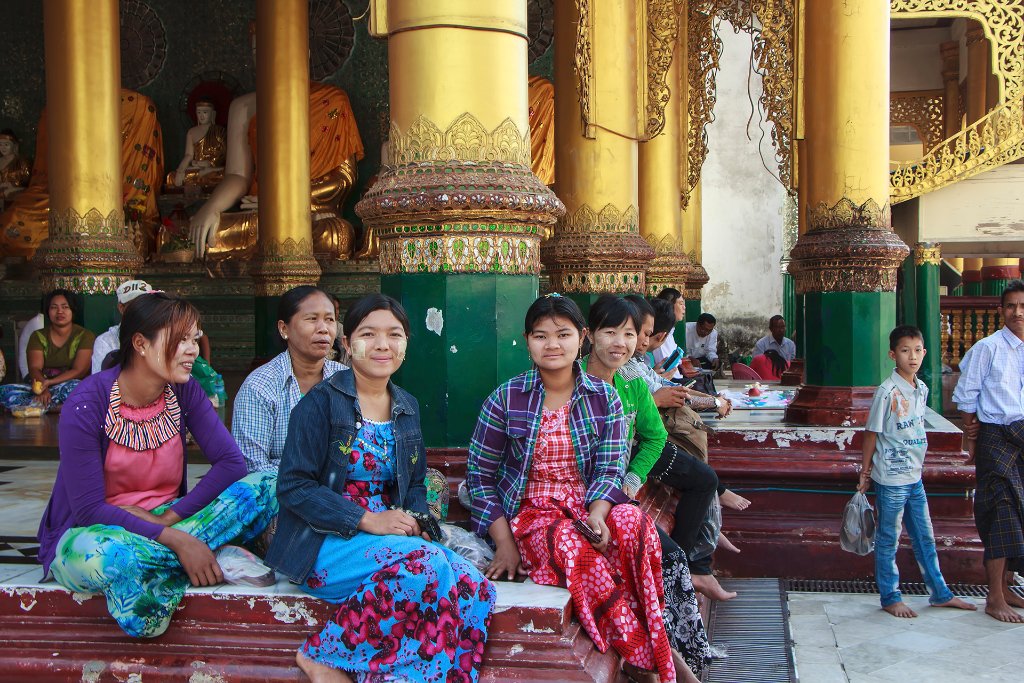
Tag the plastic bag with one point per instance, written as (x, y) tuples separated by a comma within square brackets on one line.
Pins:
[(468, 545), (242, 568), (707, 537), (857, 534)]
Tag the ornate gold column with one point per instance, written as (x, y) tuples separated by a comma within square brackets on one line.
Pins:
[(285, 257), (693, 243), (458, 211), (977, 73), (89, 250), (845, 264), (661, 222), (597, 246), (950, 52)]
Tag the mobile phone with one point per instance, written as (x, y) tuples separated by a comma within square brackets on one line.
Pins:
[(672, 360), (686, 382)]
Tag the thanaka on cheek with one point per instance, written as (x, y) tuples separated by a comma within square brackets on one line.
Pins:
[(359, 349), (400, 347)]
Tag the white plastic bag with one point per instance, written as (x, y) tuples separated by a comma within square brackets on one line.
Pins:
[(468, 545), (707, 537), (857, 534), (242, 568)]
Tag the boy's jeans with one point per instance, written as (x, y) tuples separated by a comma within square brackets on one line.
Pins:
[(891, 503)]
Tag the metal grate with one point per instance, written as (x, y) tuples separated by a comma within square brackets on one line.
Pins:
[(753, 632), (966, 590)]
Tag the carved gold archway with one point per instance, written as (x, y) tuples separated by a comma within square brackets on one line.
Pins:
[(920, 109)]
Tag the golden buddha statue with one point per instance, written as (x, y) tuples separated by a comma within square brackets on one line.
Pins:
[(205, 149), (24, 224), (542, 128), (14, 169), (335, 148)]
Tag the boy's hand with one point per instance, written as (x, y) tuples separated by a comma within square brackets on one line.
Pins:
[(865, 481), (971, 425)]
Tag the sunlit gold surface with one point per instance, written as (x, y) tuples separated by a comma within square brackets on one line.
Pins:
[(282, 76), (542, 128), (439, 70), (83, 83), (921, 109), (659, 182)]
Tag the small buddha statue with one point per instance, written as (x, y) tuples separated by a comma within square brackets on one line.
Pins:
[(205, 151), (14, 168)]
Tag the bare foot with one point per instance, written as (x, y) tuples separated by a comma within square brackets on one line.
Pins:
[(683, 673), (998, 609), (320, 673), (733, 501), (726, 544), (959, 603), (1012, 599), (709, 586), (900, 609)]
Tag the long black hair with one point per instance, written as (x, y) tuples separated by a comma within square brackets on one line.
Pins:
[(554, 306), (366, 305), (779, 363), (613, 311), (148, 315)]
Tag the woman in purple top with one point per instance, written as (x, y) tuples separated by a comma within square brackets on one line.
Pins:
[(120, 521)]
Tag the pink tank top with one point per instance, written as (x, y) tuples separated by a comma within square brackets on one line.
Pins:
[(149, 476)]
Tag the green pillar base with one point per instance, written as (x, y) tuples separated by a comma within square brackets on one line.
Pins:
[(479, 345), (972, 289), (789, 303), (847, 337), (99, 312), (993, 287), (906, 297), (929, 319), (268, 339), (799, 326), (693, 310)]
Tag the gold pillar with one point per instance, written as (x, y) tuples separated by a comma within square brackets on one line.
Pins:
[(693, 244), (977, 73), (950, 52), (459, 119), (282, 99), (848, 245), (661, 222), (846, 262), (89, 249), (597, 247), (955, 262)]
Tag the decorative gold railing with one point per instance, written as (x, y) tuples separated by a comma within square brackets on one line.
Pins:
[(965, 320), (993, 140)]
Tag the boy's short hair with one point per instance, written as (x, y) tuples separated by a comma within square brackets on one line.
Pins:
[(664, 315), (1011, 287), (902, 332), (707, 319)]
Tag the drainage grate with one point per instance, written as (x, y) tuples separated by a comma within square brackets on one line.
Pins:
[(965, 590), (753, 632)]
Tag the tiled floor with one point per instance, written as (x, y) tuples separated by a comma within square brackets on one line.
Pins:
[(841, 637)]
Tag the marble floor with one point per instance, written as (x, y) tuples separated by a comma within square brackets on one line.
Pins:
[(841, 637)]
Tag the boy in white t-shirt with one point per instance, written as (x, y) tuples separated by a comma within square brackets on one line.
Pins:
[(895, 443)]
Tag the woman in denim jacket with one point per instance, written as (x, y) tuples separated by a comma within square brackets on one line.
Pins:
[(353, 461)]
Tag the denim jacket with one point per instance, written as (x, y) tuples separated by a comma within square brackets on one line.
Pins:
[(314, 467)]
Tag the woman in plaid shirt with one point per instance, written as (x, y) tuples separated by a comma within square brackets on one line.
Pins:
[(545, 474)]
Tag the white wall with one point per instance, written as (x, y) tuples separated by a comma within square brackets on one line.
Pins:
[(916, 60), (743, 204)]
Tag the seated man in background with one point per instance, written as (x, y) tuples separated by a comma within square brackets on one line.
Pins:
[(702, 341), (110, 341), (776, 340)]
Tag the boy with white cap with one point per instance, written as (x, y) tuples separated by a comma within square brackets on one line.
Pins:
[(110, 340)]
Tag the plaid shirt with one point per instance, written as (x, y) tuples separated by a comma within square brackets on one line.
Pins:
[(501, 451), (263, 406)]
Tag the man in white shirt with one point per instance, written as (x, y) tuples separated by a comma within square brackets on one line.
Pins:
[(776, 340), (110, 340), (702, 341), (990, 397)]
